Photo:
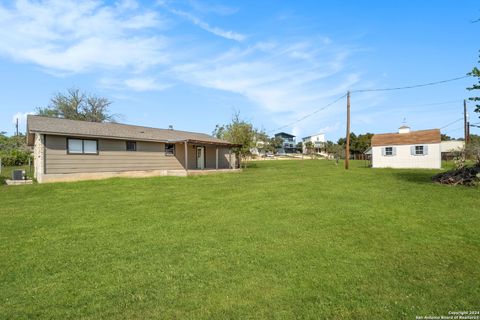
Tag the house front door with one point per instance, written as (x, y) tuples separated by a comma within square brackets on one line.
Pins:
[(200, 157)]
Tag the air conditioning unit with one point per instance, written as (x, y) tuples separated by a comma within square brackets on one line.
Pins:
[(18, 175)]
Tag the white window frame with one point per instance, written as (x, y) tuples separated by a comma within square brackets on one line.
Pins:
[(389, 151)]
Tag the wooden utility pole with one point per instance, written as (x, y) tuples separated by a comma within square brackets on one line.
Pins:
[(16, 128), (465, 121), (347, 144)]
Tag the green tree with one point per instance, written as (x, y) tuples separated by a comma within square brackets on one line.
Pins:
[(476, 86), (239, 132), (14, 150), (274, 144), (445, 137), (310, 147), (77, 105), (335, 150), (362, 143)]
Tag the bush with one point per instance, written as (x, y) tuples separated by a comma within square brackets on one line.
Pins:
[(15, 157)]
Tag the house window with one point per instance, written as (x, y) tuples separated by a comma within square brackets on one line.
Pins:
[(82, 146), (389, 151), (131, 146), (419, 150), (75, 146), (169, 149)]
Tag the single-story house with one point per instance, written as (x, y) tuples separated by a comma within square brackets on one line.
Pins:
[(407, 149), (69, 150)]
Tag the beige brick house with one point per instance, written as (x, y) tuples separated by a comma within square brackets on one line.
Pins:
[(69, 150)]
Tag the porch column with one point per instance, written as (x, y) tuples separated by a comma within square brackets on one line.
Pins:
[(186, 156), (216, 158), (230, 158)]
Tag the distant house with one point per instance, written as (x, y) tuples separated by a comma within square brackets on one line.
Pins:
[(450, 148), (288, 142), (318, 141), (68, 150), (407, 149)]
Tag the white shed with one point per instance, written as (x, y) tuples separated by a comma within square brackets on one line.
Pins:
[(407, 149)]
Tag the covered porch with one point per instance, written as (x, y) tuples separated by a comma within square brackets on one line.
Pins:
[(197, 156)]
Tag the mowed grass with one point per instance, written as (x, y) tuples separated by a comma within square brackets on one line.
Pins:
[(283, 239)]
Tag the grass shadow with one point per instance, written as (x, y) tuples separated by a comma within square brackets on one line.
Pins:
[(420, 177)]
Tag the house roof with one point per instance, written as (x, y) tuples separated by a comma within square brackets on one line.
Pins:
[(413, 137), (112, 130), (313, 135), (284, 134)]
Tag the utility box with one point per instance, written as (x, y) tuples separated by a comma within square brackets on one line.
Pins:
[(18, 175)]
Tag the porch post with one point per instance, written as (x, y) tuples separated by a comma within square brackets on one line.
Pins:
[(230, 158), (216, 158), (186, 156)]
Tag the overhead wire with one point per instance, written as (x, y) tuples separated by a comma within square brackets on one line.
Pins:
[(310, 114), (373, 90), (453, 122), (411, 86)]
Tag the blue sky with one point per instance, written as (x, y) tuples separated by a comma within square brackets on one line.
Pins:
[(191, 63)]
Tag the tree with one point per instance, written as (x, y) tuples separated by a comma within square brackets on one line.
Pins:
[(274, 144), (77, 105), (14, 150), (475, 73), (310, 147), (238, 132), (362, 143), (445, 137), (336, 150)]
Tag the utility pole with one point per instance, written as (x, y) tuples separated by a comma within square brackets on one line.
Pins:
[(347, 144), (468, 133), (16, 128), (465, 121)]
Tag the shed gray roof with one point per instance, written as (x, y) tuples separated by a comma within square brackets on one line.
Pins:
[(111, 130)]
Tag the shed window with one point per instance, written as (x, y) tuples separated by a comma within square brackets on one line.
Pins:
[(419, 150), (169, 149), (82, 146), (389, 151), (131, 146)]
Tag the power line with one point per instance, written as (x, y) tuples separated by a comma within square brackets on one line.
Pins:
[(451, 123), (454, 130), (411, 86), (310, 114), (375, 90)]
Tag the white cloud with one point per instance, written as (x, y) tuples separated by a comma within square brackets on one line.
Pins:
[(72, 36), (22, 118), (271, 77), (145, 84), (231, 35)]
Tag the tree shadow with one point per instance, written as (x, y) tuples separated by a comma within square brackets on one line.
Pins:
[(420, 177)]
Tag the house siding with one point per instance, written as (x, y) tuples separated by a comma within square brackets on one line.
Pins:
[(404, 159), (112, 157)]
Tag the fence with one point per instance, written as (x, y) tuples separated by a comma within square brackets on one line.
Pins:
[(6, 171)]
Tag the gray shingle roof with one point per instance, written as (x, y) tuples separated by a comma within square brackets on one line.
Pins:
[(59, 126)]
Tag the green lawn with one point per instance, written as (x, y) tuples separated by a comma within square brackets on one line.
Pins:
[(281, 240)]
